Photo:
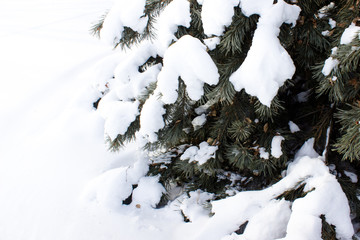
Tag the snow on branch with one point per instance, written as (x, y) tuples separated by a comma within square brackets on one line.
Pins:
[(216, 15), (267, 65), (269, 217), (123, 14), (187, 58)]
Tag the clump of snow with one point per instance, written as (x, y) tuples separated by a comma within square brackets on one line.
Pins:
[(118, 115), (303, 96), (115, 185), (353, 177), (199, 154), (203, 108), (267, 65), (307, 150), (216, 15), (276, 146), (325, 9), (263, 153), (194, 71), (148, 192), (325, 33), (211, 43), (123, 14), (349, 34), (193, 206), (332, 23), (177, 13), (293, 127), (329, 65), (199, 121), (151, 119)]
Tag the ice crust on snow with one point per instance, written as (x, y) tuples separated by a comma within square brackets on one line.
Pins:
[(216, 15), (267, 65), (123, 14)]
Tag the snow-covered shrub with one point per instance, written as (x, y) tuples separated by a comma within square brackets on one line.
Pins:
[(221, 94)]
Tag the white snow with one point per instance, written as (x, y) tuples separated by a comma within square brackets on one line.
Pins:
[(211, 43), (302, 221), (332, 23), (329, 65), (325, 9), (115, 112), (263, 153), (267, 65), (216, 15), (325, 33), (151, 119), (113, 186), (199, 121), (123, 14), (353, 177), (193, 206), (349, 34), (276, 146), (293, 127), (194, 71), (177, 13), (57, 179), (147, 193), (199, 154)]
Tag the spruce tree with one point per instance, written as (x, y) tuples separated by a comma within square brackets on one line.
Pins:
[(224, 93)]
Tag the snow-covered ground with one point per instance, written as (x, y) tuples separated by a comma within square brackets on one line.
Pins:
[(51, 139)]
